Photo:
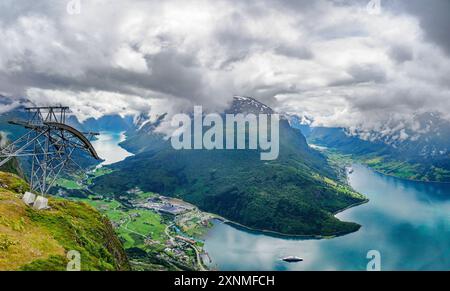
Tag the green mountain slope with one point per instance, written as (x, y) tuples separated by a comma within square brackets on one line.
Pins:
[(296, 194), (40, 240), (404, 162)]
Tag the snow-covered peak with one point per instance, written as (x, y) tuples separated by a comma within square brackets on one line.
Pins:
[(426, 134), (141, 120), (244, 104)]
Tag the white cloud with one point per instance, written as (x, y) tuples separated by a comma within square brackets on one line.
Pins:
[(131, 60), (92, 104), (329, 59)]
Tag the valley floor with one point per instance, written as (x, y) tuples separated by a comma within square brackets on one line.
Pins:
[(389, 166), (158, 233)]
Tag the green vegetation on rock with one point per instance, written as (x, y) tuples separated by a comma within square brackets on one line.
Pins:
[(39, 240), (382, 157), (297, 194)]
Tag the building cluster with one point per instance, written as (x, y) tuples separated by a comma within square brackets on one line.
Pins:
[(165, 205)]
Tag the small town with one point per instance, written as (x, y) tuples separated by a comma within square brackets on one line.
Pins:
[(171, 227)]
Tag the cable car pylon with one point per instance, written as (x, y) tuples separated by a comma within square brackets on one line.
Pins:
[(50, 142)]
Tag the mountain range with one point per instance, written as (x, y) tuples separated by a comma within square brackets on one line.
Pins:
[(418, 149), (297, 194)]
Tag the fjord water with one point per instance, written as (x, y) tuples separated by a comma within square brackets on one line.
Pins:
[(407, 222), (108, 148)]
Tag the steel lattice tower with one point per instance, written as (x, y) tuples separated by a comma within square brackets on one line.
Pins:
[(50, 142)]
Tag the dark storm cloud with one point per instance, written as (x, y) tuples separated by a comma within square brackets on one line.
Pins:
[(175, 74), (433, 16)]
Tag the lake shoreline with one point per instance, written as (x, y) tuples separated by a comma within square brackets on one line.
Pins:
[(351, 206), (276, 234), (406, 179), (109, 148), (294, 236), (354, 160), (390, 215)]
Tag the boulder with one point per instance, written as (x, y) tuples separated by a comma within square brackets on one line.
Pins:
[(40, 203), (29, 198)]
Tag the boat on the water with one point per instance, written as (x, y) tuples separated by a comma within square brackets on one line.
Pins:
[(292, 259)]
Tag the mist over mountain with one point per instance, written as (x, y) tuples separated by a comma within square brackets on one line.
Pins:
[(296, 194), (418, 148)]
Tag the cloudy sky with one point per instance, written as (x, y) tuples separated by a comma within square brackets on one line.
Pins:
[(336, 60)]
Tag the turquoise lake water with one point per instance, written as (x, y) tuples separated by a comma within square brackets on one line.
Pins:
[(408, 223), (107, 147)]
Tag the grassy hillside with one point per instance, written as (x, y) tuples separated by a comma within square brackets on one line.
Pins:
[(39, 240)]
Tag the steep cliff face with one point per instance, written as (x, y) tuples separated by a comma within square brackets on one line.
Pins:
[(40, 240)]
